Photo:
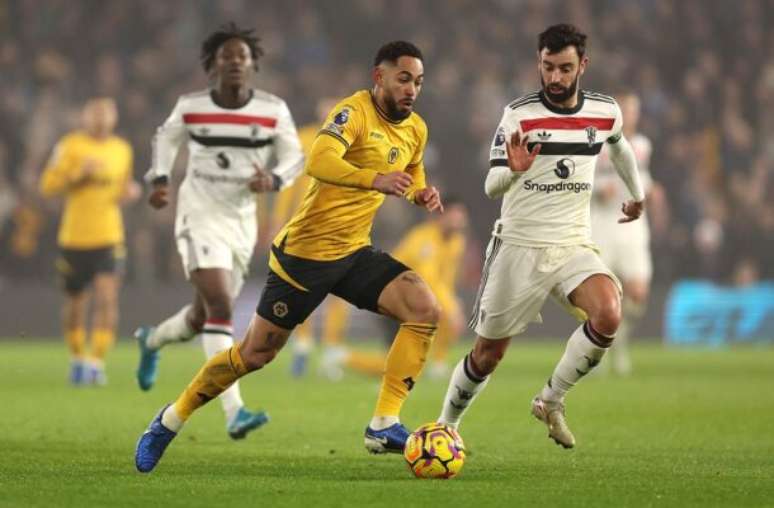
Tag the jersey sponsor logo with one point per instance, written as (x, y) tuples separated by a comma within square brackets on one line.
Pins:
[(591, 135), (239, 180), (280, 309), (376, 135), (548, 188), (564, 168), (341, 117), (222, 160), (393, 155)]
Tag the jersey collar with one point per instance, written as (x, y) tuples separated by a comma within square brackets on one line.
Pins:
[(563, 111)]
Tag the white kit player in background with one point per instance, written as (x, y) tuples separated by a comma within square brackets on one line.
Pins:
[(625, 249), (234, 132), (542, 165)]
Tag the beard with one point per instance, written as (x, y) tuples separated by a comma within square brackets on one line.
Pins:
[(562, 96), (393, 111)]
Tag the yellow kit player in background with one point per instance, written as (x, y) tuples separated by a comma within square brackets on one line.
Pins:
[(92, 169), (371, 146), (434, 249), (285, 204)]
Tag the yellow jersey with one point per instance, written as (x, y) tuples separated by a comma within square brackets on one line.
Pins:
[(357, 143), (92, 215), (434, 257)]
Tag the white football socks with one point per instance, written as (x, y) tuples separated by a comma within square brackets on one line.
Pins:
[(171, 420), (464, 386), (217, 336), (173, 329), (583, 352)]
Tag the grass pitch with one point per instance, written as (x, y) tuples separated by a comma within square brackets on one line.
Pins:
[(689, 428)]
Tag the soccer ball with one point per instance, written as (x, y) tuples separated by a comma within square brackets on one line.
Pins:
[(434, 450)]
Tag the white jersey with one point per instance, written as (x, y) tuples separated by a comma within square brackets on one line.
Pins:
[(224, 145), (610, 193), (548, 205)]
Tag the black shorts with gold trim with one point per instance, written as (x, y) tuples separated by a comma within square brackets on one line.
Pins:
[(77, 267), (289, 298)]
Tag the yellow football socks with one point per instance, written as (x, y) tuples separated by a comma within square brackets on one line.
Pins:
[(76, 341), (101, 341), (404, 364), (215, 376)]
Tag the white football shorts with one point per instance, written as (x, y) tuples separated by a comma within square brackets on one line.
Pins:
[(516, 281)]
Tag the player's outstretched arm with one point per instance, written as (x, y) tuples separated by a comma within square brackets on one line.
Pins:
[(625, 163), (326, 163)]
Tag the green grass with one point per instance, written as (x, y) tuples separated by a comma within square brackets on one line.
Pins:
[(690, 428)]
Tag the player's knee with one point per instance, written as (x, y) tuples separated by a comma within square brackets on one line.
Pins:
[(427, 310), (607, 318)]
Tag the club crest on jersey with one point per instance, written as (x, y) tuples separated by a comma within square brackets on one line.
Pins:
[(564, 168), (393, 155), (499, 137), (591, 134), (341, 117), (280, 309)]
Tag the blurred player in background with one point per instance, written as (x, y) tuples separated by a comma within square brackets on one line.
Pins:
[(92, 169), (625, 248), (434, 249), (233, 131), (371, 146), (542, 162)]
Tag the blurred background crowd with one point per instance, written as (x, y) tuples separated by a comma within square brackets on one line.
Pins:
[(704, 70)]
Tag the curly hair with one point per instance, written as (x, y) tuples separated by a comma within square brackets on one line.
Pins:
[(228, 31)]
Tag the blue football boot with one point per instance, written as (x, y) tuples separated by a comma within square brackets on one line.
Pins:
[(389, 440), (149, 359), (152, 444), (77, 373), (245, 422)]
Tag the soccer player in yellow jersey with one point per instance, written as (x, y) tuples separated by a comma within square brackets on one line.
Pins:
[(92, 169), (371, 146)]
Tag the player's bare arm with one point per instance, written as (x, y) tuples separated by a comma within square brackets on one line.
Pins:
[(520, 159)]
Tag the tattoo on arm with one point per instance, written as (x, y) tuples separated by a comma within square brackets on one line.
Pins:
[(412, 278)]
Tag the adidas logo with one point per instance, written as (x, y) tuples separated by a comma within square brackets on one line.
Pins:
[(544, 136)]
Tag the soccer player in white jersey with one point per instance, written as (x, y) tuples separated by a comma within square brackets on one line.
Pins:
[(625, 249), (542, 165), (233, 132)]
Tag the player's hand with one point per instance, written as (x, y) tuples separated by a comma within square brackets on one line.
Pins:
[(262, 181), (159, 196), (88, 169), (132, 192), (632, 210), (520, 158), (430, 198), (395, 183)]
